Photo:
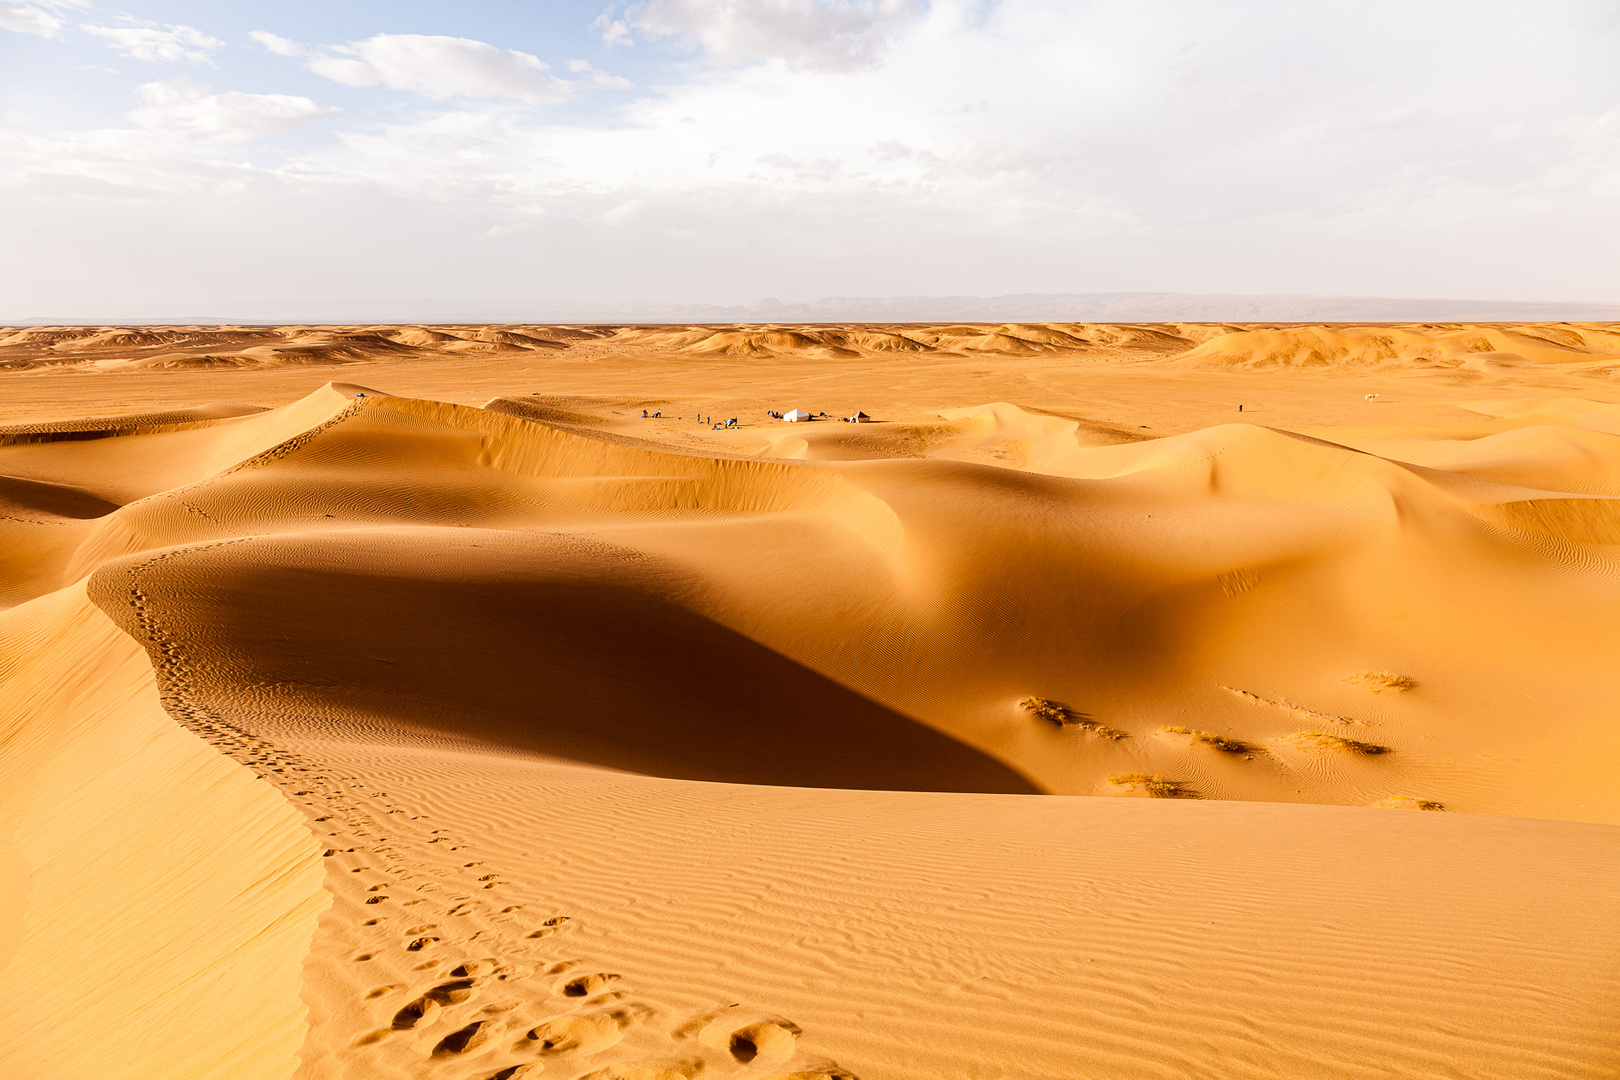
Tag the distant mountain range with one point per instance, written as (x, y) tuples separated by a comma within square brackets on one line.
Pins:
[(1019, 307)]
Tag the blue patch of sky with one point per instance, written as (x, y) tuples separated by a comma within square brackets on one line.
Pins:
[(79, 81)]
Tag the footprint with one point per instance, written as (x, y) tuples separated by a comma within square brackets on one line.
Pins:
[(683, 1070), (583, 985), (419, 1012), (551, 926), (829, 1071), (767, 1042), (517, 1072), (465, 1040), (420, 943), (381, 991), (454, 992), (474, 968), (586, 1034)]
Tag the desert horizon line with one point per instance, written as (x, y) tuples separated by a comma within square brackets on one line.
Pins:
[(1032, 307)]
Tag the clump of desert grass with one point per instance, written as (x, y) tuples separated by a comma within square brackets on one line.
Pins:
[(1211, 739), (1379, 681), (1063, 716), (1410, 802), (1284, 704), (1326, 740), (1053, 712), (1155, 785)]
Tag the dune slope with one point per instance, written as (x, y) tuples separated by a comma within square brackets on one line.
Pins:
[(346, 734), (143, 935), (643, 610)]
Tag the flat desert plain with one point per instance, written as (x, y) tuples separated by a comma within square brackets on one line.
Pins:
[(1120, 701)]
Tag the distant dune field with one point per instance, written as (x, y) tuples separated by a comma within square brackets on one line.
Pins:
[(1123, 701)]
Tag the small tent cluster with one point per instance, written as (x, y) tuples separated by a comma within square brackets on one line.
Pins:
[(799, 416)]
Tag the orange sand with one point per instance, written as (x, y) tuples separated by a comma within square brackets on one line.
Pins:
[(640, 748)]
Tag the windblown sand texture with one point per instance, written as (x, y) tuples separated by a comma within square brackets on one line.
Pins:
[(400, 702)]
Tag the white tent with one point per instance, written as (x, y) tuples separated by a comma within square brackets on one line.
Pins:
[(796, 416)]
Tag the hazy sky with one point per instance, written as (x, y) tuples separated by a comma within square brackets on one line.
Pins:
[(182, 155)]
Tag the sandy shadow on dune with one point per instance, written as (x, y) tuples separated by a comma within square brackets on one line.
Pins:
[(282, 638)]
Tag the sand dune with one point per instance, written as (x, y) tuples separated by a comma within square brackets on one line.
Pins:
[(1450, 346), (1476, 347), (141, 938), (649, 746)]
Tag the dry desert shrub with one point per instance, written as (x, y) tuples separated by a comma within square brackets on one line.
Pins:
[(1155, 785), (1410, 802), (1379, 681), (1210, 739), (1326, 740), (1055, 712)]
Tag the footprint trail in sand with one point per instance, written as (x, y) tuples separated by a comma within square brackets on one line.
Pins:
[(438, 971)]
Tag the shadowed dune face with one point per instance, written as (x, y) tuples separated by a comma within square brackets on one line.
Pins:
[(541, 644), (21, 496)]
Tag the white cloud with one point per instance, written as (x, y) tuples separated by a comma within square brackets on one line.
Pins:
[(161, 45), (835, 34), (1015, 146), (176, 106), (36, 18), (614, 31), (593, 76), (441, 67), (27, 19), (277, 44)]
